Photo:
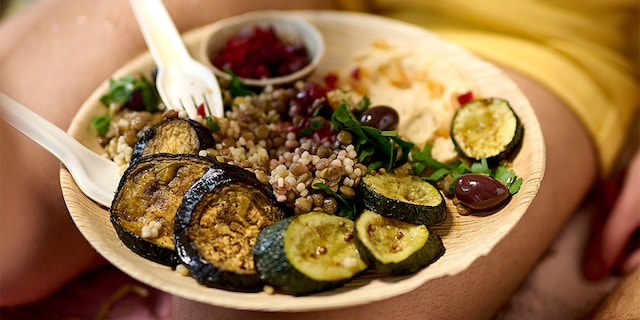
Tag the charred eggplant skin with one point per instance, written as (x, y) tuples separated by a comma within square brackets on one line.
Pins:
[(129, 205), (191, 135), (198, 200), (143, 248)]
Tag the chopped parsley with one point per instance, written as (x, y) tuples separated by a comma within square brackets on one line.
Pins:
[(236, 87), (121, 91), (101, 123), (430, 169), (212, 124)]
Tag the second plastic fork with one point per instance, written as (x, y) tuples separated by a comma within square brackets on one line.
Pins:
[(182, 82)]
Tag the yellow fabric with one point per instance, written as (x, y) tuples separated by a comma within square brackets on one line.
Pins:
[(585, 51)]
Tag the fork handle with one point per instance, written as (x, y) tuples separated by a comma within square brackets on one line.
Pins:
[(159, 32), (75, 156), (45, 133)]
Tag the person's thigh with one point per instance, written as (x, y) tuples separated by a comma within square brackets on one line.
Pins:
[(480, 291)]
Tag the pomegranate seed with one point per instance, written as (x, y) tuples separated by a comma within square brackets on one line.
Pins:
[(201, 110), (465, 97), (331, 80)]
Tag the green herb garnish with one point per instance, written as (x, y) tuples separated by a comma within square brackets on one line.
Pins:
[(381, 148), (101, 123), (508, 178), (346, 205), (430, 169), (122, 89), (212, 124), (363, 105), (236, 87)]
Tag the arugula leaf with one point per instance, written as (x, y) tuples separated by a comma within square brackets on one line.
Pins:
[(405, 149), (430, 169), (347, 207), (363, 105), (382, 147), (422, 160), (342, 118)]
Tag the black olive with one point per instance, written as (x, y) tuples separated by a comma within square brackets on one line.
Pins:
[(380, 117), (480, 192)]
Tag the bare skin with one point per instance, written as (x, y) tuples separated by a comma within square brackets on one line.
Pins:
[(75, 39), (479, 291)]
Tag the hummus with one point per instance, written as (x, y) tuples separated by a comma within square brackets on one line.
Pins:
[(423, 88)]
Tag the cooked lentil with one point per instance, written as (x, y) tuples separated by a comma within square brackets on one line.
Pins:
[(255, 135)]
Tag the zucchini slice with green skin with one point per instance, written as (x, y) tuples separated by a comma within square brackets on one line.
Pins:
[(145, 203), (176, 136), (217, 224), (406, 198), (486, 128), (308, 253), (396, 247)]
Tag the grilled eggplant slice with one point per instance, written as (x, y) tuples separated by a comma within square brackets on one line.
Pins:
[(396, 247), (308, 253), (145, 203), (176, 136), (486, 128), (217, 224), (404, 197)]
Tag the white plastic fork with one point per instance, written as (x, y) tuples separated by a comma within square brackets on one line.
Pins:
[(183, 83), (97, 176)]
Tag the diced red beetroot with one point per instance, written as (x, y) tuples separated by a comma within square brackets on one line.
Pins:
[(259, 53), (262, 71)]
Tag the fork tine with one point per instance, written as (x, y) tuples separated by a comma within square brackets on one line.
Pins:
[(196, 105), (206, 103)]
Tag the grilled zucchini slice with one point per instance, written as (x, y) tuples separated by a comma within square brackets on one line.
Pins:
[(145, 203), (176, 136), (395, 247), (404, 197), (308, 253), (217, 224), (486, 128)]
